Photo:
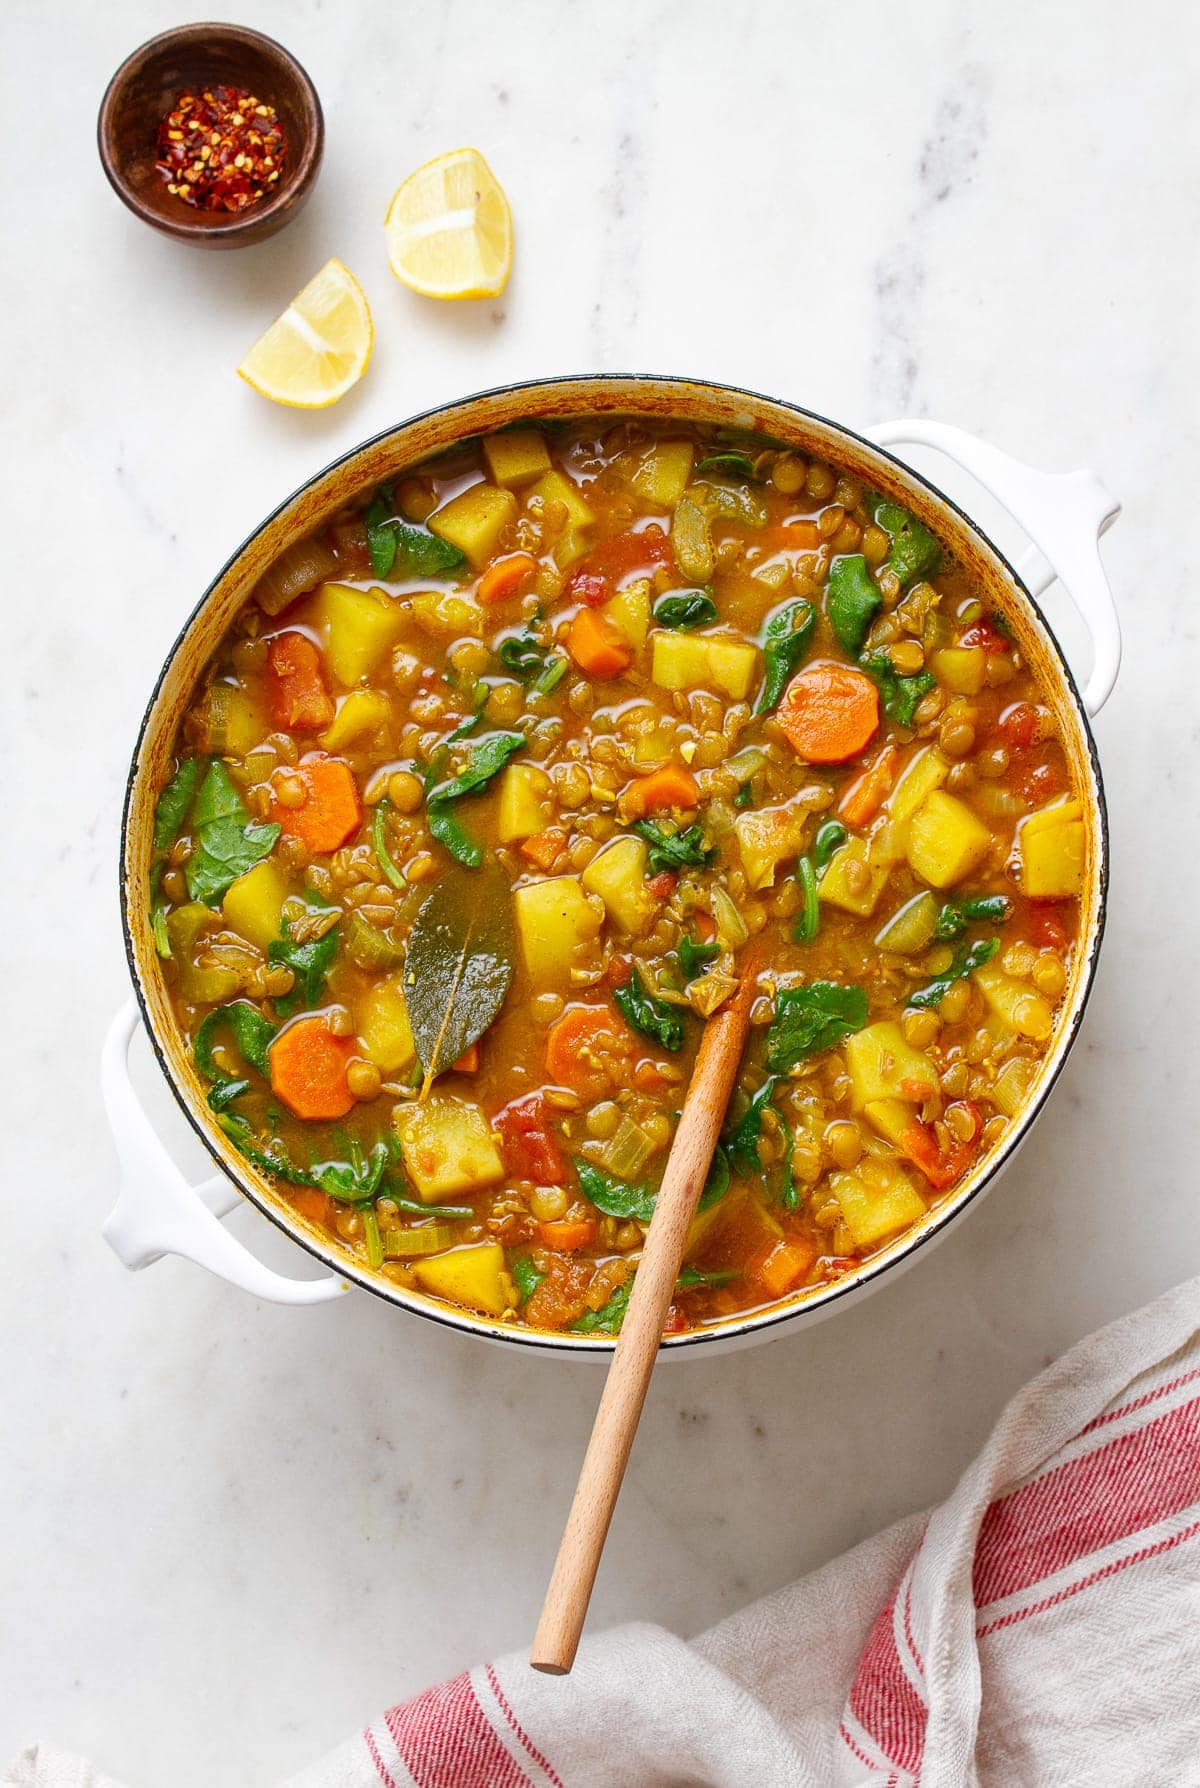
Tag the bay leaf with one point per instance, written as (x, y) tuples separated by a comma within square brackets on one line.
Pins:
[(461, 954)]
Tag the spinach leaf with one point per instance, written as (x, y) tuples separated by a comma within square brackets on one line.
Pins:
[(852, 601), (692, 1277), (379, 844), (608, 1318), (525, 1277), (450, 835), (789, 1191), (956, 915), (717, 1183), (831, 836), (685, 609), (966, 961), (276, 1161), (914, 552), (522, 654), (808, 919), (461, 957), (744, 796), (356, 1180), (227, 845), (728, 465), (484, 760), (616, 1198), (694, 958), (552, 676), (381, 538), (404, 547), (787, 638), (673, 850), (252, 1033), (158, 926), (744, 1140), (654, 1018), (172, 807), (309, 962), (812, 1018), (900, 695)]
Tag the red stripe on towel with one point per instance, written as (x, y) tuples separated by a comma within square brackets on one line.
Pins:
[(884, 1701), (502, 1700), (1109, 1570), (382, 1770), (446, 1741), (1154, 1396)]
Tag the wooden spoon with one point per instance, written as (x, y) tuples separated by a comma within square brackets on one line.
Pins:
[(565, 1607)]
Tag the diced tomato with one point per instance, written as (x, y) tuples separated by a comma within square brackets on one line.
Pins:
[(619, 972), (601, 573), (531, 1150), (1018, 725), (1046, 928), (1040, 782), (662, 886), (984, 633), (942, 1167), (676, 1321), (299, 699)]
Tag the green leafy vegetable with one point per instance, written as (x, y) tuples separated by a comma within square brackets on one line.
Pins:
[(525, 1277), (445, 1213), (227, 845), (552, 676), (652, 1017), (252, 1033), (620, 1198), (461, 956), (608, 1318), (158, 927), (172, 807), (357, 1179), (743, 1142), (728, 465), (966, 960), (372, 1237), (379, 844), (808, 919), (673, 850), (692, 1277), (277, 1161), (789, 1192), (685, 609), (810, 1019), (717, 1183), (852, 601), (403, 547), (831, 836), (744, 796), (787, 638), (956, 915), (310, 962), (523, 654), (484, 761), (694, 958), (914, 551), (900, 695)]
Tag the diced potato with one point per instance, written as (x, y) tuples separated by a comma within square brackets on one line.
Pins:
[(765, 836), (876, 1200), (360, 626), (837, 888), (237, 720), (554, 918), (448, 1147), (700, 661), (524, 802), (516, 456), (946, 841), (618, 875), (891, 1117), (448, 614), (918, 779), (555, 488), (663, 474), (629, 612), (1052, 847), (384, 1028), (474, 521), (910, 930), (960, 669), (473, 1276), (1016, 1002), (358, 713), (882, 1065), (253, 905)]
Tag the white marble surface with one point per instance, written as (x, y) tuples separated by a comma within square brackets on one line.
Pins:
[(228, 1532)]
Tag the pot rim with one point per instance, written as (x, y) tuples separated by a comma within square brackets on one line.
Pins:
[(899, 1254)]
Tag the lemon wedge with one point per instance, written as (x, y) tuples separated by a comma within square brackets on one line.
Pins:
[(318, 348), (449, 229)]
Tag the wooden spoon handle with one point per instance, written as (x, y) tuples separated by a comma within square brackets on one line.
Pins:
[(565, 1607)]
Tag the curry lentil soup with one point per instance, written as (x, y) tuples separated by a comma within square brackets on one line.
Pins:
[(496, 781)]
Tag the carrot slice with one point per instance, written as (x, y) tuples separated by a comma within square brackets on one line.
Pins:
[(783, 1265), (867, 793), (468, 1061), (672, 786), (299, 700), (829, 713), (314, 1204), (567, 1236), (308, 1069), (597, 647), (793, 537), (329, 813), (504, 578), (581, 1044), (543, 847)]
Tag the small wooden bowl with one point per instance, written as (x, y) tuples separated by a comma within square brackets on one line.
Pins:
[(190, 57)]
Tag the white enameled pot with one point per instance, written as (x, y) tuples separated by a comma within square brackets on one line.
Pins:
[(1063, 515)]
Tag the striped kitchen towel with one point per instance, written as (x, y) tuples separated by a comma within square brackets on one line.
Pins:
[(1041, 1629)]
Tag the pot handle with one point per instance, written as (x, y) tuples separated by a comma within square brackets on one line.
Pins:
[(1064, 514), (157, 1212)]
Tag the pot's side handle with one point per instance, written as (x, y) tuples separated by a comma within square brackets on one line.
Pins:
[(157, 1212), (1064, 514)]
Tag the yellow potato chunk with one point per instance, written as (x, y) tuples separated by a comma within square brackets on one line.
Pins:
[(946, 841), (662, 476), (237, 720), (556, 488), (700, 661), (359, 627), (842, 886), (445, 613), (524, 806), (629, 612), (960, 669), (891, 1117), (516, 457), (253, 905), (618, 875), (384, 1029), (918, 779), (1020, 1006), (882, 1065), (554, 917), (765, 837), (448, 1147), (474, 1277), (359, 713), (474, 521), (1052, 846), (876, 1200)]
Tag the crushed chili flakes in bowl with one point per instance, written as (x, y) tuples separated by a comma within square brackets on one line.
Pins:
[(222, 149)]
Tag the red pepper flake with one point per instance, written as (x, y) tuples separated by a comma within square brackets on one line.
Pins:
[(222, 149)]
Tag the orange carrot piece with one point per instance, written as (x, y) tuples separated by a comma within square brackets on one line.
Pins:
[(574, 1046), (568, 1236), (299, 700), (783, 1267), (308, 1069), (829, 713), (468, 1061), (663, 885), (597, 647), (867, 793), (314, 1204), (648, 1077), (672, 786), (543, 847), (504, 578), (329, 813), (794, 537)]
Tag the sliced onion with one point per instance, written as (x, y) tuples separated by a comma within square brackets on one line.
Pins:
[(731, 927), (628, 1151), (297, 570)]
